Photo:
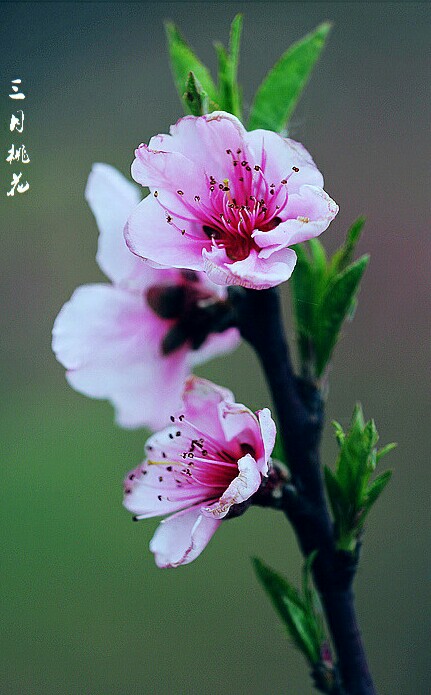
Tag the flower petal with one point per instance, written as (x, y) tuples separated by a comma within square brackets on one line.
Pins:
[(156, 489), (181, 538), (278, 156), (255, 272), (204, 140), (109, 341), (149, 235), (308, 214), (112, 198), (269, 431), (240, 489)]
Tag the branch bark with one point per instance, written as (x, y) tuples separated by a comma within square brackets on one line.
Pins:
[(300, 413)]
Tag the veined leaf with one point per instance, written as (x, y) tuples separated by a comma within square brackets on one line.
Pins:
[(195, 99), (183, 61), (341, 258), (279, 92), (333, 309), (229, 96), (295, 612), (375, 489), (385, 450)]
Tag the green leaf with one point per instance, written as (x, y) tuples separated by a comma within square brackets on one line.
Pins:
[(229, 95), (184, 61), (278, 94), (339, 432), (349, 492), (278, 450), (195, 99), (302, 286), (376, 488), (385, 450), (341, 258), (299, 618), (333, 309), (235, 41), (339, 504)]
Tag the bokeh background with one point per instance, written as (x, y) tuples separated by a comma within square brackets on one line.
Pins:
[(84, 610)]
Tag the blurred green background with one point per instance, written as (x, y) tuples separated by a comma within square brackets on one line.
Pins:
[(84, 610)]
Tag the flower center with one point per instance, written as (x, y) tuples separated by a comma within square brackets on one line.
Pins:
[(243, 202), (192, 311)]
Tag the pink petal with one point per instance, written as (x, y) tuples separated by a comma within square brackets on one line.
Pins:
[(280, 155), (112, 198), (201, 399), (149, 235), (245, 428), (182, 537), (239, 490), (308, 214), (255, 271), (109, 341), (171, 171), (156, 489), (204, 140), (268, 431)]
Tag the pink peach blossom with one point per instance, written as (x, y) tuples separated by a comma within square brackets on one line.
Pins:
[(212, 456), (226, 201), (134, 341)]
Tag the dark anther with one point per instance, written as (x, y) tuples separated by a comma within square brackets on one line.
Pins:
[(166, 301), (159, 497), (160, 479), (257, 167), (283, 180), (172, 419), (272, 224), (156, 193), (295, 169), (210, 231), (228, 151), (174, 339), (169, 468), (180, 192), (197, 198), (171, 436), (178, 434)]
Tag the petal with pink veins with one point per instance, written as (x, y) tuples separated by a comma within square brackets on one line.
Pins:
[(156, 489), (268, 431), (112, 198), (240, 489), (149, 234), (279, 155), (179, 539), (308, 214), (109, 341), (255, 272)]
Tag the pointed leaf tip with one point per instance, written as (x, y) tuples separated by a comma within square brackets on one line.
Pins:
[(279, 92)]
